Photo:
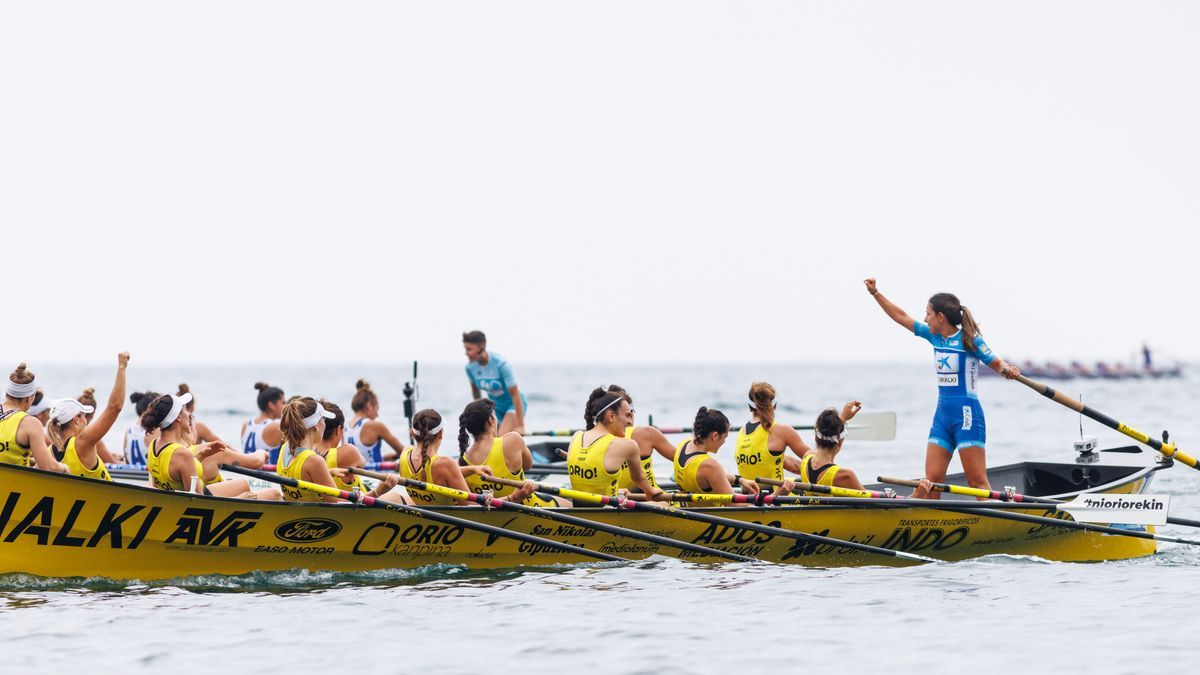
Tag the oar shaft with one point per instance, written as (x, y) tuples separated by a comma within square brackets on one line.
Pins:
[(550, 514), (965, 491), (420, 512), (826, 489), (718, 520), (1167, 449)]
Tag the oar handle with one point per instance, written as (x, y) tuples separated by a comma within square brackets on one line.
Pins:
[(826, 489), (1167, 449)]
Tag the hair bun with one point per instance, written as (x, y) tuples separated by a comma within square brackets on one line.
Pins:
[(702, 410), (183, 389), (89, 391), (21, 367), (261, 386), (136, 396), (362, 384)]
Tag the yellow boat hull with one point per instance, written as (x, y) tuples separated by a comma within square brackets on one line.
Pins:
[(65, 526)]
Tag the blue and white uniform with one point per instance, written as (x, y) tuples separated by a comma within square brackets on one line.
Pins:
[(959, 421), (372, 453), (135, 444), (252, 440), (495, 379)]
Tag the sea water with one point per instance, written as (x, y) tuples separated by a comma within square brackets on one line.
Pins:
[(658, 615)]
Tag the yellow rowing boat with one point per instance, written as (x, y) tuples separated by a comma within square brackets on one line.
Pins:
[(66, 526)]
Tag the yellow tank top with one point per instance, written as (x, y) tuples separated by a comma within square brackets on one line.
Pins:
[(685, 474), (11, 451), (158, 465), (625, 477), (585, 466), (331, 462), (753, 458), (71, 458), (807, 473), (293, 469), (495, 460), (422, 497)]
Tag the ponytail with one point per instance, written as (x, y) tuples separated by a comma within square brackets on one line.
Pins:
[(474, 419), (762, 403), (970, 330)]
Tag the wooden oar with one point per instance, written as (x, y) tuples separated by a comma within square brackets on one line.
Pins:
[(829, 490), (992, 494), (1167, 449), (591, 498), (880, 426), (551, 514), (368, 500)]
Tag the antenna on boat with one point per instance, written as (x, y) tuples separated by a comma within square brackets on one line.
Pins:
[(411, 394), (1086, 445)]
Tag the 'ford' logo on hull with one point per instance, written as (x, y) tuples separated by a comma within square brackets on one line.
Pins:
[(307, 530)]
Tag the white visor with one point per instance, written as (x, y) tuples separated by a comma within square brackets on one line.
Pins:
[(39, 408), (177, 403), (66, 410), (312, 420)]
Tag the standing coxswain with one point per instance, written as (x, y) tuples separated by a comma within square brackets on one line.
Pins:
[(22, 437), (262, 432), (366, 431), (958, 423), (76, 435), (698, 470), (597, 454), (489, 373)]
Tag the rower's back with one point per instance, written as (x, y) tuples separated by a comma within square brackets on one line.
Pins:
[(585, 464)]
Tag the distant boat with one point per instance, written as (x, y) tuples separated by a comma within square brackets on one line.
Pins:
[(1050, 370)]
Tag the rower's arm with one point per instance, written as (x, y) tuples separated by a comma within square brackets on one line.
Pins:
[(712, 475), (204, 433), (445, 471), (183, 469), (93, 434), (656, 440), (625, 451), (516, 452), (474, 391), (273, 435), (846, 478), (36, 442), (791, 439), (388, 437), (315, 470), (348, 455), (895, 313), (518, 408), (791, 464)]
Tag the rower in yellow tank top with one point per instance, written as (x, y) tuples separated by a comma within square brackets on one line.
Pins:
[(421, 497), (478, 483), (763, 443), (822, 475), (625, 478), (71, 458), (586, 469), (331, 461), (697, 468), (688, 460), (753, 456), (12, 452), (290, 466), (158, 465)]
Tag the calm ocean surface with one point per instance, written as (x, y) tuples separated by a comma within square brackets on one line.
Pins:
[(659, 615)]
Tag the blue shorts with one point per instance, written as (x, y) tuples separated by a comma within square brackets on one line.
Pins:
[(505, 407), (958, 424)]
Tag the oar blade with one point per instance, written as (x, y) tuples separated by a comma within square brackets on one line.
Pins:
[(880, 426)]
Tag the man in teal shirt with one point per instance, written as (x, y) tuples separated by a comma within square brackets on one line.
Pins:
[(491, 374)]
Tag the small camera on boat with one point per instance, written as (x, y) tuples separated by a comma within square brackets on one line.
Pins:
[(1086, 447)]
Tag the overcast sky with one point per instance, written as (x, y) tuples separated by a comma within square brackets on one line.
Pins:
[(592, 182)]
